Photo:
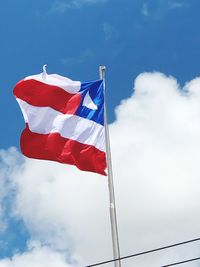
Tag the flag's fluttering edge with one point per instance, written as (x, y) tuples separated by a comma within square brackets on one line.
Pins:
[(64, 120)]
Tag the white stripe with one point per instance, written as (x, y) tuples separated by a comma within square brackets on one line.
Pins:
[(45, 120), (57, 80)]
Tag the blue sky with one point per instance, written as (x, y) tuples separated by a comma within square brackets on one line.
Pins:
[(129, 37)]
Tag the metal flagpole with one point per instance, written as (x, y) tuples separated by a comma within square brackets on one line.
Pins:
[(113, 217)]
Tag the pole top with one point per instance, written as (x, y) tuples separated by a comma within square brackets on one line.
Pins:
[(102, 70)]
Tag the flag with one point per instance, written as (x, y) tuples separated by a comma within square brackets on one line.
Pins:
[(64, 120)]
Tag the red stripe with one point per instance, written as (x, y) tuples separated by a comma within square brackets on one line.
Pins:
[(44, 95), (57, 148)]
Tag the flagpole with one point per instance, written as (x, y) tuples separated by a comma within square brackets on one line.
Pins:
[(113, 217)]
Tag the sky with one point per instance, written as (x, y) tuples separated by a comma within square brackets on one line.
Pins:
[(57, 216)]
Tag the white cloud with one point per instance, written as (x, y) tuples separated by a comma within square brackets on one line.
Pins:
[(179, 4), (156, 153), (8, 162), (37, 257), (110, 32), (145, 10), (80, 59), (157, 10), (60, 6)]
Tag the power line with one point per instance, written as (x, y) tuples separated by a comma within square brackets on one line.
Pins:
[(181, 262), (146, 252)]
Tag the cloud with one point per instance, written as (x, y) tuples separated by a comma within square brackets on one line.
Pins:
[(179, 4), (159, 9), (155, 151), (76, 60), (36, 257), (6, 190), (109, 31), (145, 10), (59, 6)]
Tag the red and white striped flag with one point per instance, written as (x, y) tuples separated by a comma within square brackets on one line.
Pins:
[(64, 120)]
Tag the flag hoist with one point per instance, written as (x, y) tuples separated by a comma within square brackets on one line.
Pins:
[(66, 121)]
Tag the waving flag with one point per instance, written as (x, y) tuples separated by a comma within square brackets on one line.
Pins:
[(64, 120)]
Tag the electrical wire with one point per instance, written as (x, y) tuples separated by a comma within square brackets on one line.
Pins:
[(147, 252), (180, 262)]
